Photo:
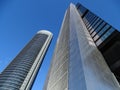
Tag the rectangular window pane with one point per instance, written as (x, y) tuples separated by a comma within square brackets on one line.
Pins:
[(92, 25), (85, 18), (99, 42), (101, 32), (97, 29), (96, 25), (108, 33), (92, 21), (82, 10)]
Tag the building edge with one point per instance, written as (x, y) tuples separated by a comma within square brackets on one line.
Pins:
[(57, 41)]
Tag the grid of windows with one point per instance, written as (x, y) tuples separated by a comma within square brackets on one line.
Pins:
[(98, 29), (14, 75), (82, 10), (104, 36)]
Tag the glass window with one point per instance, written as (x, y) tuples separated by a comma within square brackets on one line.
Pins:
[(93, 33), (82, 10), (92, 25), (92, 21), (101, 32), (96, 37), (91, 18), (87, 22), (101, 25), (85, 19), (108, 33), (98, 28), (99, 42), (96, 25)]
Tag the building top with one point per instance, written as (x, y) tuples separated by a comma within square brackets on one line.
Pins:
[(110, 15), (44, 32)]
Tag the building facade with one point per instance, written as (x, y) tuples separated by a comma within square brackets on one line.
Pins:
[(78, 62), (105, 36), (21, 72)]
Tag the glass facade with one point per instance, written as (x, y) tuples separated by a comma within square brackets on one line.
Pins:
[(14, 75), (105, 37), (99, 29), (76, 62)]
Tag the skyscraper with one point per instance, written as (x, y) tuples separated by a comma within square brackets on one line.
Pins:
[(78, 62), (21, 72), (105, 36)]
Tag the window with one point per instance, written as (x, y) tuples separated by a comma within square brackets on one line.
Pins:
[(108, 33), (82, 10), (98, 29), (101, 32), (95, 26), (85, 18), (99, 42), (91, 26), (92, 21)]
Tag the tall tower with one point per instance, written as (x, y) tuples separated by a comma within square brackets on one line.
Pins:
[(21, 72), (77, 63)]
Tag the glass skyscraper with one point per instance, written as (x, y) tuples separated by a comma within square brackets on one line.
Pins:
[(80, 59), (21, 72), (105, 36)]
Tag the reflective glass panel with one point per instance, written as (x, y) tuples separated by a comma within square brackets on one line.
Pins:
[(108, 33), (101, 32), (97, 29), (96, 25)]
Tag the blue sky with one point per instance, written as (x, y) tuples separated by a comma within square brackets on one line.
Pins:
[(21, 19)]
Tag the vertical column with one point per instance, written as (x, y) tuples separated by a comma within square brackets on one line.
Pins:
[(76, 74)]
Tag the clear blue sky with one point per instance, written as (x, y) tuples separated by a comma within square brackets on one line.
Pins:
[(21, 19)]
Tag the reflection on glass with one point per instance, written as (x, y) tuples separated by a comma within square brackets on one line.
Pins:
[(99, 42), (91, 22), (101, 32), (96, 25), (82, 10), (97, 29), (108, 33)]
